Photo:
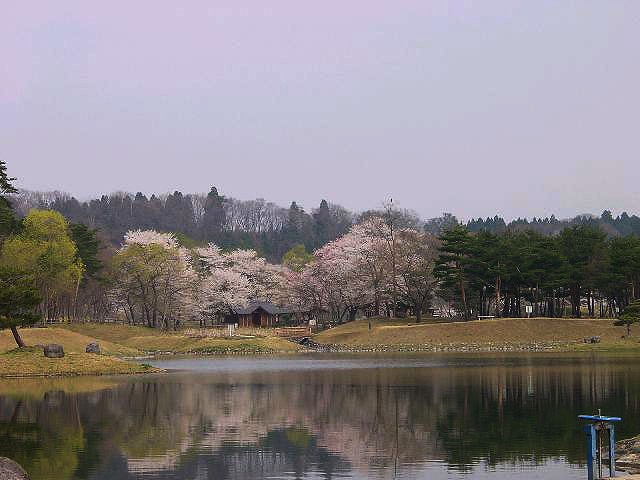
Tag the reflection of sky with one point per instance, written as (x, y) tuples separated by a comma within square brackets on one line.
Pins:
[(431, 470)]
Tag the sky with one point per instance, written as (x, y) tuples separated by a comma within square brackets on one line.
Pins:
[(476, 108)]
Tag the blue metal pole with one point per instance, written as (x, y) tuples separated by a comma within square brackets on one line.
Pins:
[(612, 450), (590, 430)]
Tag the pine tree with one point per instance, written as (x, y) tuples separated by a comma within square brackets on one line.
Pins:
[(630, 315), (8, 222), (454, 264), (214, 216), (88, 245), (18, 292), (324, 226)]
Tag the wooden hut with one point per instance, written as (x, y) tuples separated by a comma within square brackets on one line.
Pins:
[(260, 314)]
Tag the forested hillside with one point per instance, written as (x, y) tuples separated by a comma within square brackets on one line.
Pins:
[(266, 227), (199, 219)]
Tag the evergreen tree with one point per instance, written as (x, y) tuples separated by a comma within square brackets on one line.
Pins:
[(178, 214), (580, 246), (88, 246), (18, 299), (298, 228), (453, 266), (324, 226), (214, 217), (141, 216), (8, 222), (630, 316), (18, 291)]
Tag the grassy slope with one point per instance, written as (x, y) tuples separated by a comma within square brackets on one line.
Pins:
[(72, 341), (478, 332), (151, 340), (31, 361), (115, 340)]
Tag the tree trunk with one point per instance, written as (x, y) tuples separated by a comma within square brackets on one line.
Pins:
[(418, 314), (464, 299), (498, 296), (17, 337)]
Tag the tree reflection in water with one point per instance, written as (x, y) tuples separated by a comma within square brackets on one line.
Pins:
[(407, 420)]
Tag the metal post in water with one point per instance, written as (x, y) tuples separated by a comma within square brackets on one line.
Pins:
[(612, 450), (594, 430), (590, 430)]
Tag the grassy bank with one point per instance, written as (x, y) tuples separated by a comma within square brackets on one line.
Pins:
[(494, 334), (32, 362), (148, 340), (127, 341), (72, 341)]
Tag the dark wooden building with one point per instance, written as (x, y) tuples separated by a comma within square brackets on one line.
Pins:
[(260, 314)]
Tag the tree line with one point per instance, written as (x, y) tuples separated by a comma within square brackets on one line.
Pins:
[(199, 219), (578, 272), (380, 263), (266, 227)]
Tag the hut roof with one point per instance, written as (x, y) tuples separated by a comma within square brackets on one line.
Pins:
[(268, 307)]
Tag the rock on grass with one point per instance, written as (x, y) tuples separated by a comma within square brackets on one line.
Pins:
[(10, 470)]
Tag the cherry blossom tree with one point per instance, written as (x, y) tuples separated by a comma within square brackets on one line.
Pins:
[(416, 257), (366, 268), (233, 279), (334, 280), (154, 280)]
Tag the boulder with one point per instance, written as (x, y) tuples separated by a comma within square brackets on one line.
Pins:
[(627, 455), (53, 350), (93, 347), (592, 340), (10, 470)]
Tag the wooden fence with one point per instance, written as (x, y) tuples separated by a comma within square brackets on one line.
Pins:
[(292, 332)]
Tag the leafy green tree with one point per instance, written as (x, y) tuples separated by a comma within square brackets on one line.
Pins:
[(296, 258), (630, 315), (44, 251)]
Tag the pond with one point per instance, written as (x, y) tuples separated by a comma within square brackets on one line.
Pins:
[(321, 416)]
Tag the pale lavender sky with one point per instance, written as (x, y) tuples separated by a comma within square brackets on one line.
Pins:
[(507, 107)]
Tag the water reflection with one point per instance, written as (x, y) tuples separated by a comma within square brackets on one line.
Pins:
[(420, 417)]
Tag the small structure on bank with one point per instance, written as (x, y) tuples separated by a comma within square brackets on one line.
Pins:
[(261, 314)]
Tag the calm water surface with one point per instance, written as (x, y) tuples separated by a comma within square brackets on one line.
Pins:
[(320, 417)]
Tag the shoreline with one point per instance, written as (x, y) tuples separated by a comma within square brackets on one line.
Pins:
[(125, 349), (134, 366)]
